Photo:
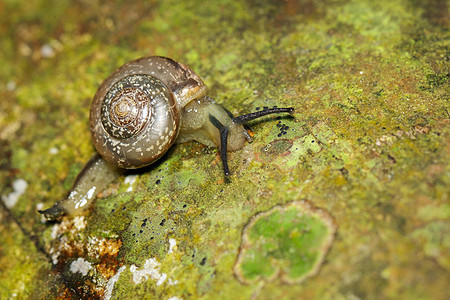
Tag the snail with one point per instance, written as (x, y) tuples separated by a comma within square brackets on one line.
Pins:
[(138, 113)]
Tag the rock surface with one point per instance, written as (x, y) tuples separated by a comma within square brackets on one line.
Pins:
[(368, 147)]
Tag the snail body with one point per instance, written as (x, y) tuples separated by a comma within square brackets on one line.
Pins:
[(139, 112)]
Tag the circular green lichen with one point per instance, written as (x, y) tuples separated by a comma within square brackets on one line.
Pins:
[(288, 241)]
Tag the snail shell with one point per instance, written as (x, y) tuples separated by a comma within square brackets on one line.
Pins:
[(135, 114)]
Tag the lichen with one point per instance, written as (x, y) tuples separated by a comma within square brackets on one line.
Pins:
[(287, 242), (81, 266)]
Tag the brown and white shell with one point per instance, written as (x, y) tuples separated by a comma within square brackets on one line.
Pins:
[(135, 115)]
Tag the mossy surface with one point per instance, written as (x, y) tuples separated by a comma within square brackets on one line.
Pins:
[(368, 146), (286, 243)]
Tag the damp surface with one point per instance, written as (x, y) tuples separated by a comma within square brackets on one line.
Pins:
[(367, 146)]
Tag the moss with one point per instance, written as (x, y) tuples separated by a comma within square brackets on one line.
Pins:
[(23, 264), (368, 144), (287, 243)]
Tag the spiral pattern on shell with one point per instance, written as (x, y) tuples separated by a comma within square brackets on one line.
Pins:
[(127, 106), (135, 122), (135, 114)]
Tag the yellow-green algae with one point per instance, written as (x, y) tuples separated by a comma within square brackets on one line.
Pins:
[(369, 81), (22, 265)]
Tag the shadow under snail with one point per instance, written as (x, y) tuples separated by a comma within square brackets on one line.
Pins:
[(138, 113)]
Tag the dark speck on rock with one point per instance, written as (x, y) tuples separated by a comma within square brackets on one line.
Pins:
[(202, 263)]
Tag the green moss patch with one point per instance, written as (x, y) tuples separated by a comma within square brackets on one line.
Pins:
[(288, 242)]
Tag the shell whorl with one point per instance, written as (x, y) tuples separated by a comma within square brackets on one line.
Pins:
[(135, 114), (127, 107), (135, 122)]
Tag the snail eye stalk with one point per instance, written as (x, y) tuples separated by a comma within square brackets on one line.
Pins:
[(223, 143), (258, 114), (240, 120)]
